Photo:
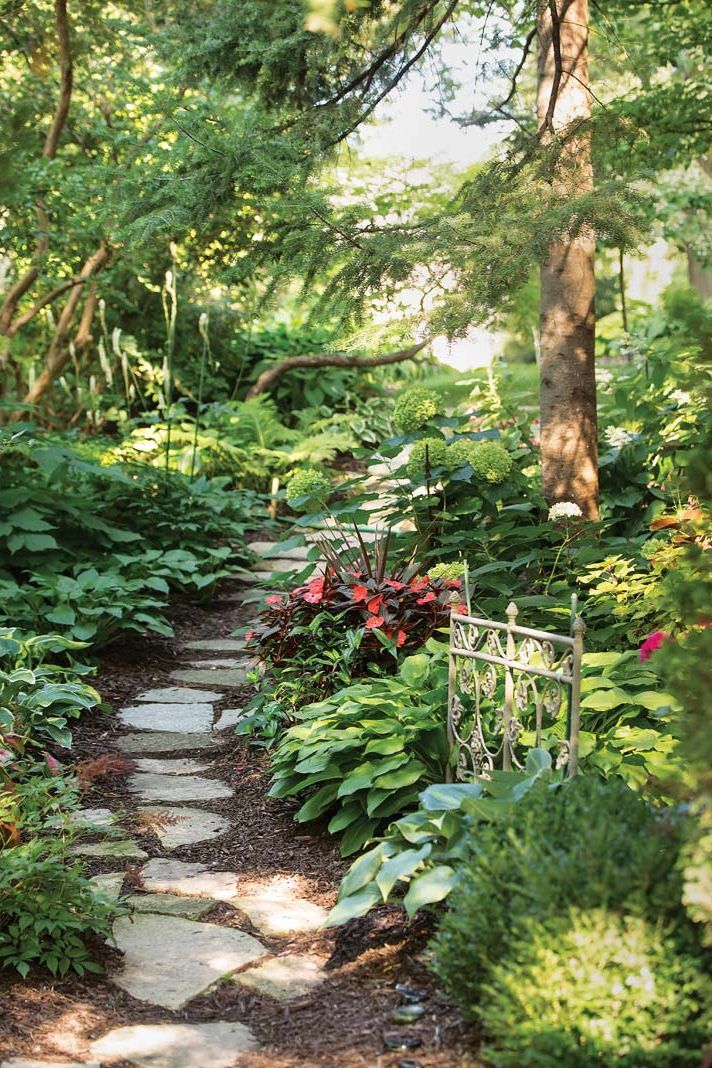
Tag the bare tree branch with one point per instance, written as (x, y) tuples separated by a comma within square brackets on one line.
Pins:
[(268, 378)]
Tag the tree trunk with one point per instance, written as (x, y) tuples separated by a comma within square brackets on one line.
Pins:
[(569, 451), (268, 378)]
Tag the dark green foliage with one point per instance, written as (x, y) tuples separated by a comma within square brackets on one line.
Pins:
[(595, 850)]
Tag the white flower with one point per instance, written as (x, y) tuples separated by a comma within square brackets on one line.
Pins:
[(565, 510), (618, 437), (680, 397), (603, 376)]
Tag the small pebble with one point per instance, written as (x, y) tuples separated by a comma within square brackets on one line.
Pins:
[(409, 993), (402, 1041), (405, 1014), (409, 1064)]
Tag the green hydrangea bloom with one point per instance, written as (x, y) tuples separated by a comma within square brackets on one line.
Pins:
[(438, 456), (458, 454), (454, 570), (414, 408), (490, 461), (310, 483)]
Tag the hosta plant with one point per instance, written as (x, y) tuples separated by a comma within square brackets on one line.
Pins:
[(365, 753)]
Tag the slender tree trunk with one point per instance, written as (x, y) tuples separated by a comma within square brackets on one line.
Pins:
[(569, 451)]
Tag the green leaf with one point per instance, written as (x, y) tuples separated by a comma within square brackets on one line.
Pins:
[(432, 886), (317, 804), (396, 780), (443, 797), (400, 867), (362, 871), (349, 908)]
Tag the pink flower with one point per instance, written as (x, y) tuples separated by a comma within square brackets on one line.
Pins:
[(426, 598), (651, 643), (402, 638), (374, 621), (274, 600), (394, 584), (360, 593)]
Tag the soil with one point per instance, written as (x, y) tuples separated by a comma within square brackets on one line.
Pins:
[(345, 1022)]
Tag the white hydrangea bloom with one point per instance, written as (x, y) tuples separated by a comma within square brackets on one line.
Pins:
[(618, 437), (565, 510)]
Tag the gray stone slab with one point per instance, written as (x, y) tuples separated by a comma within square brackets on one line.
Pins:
[(123, 850), (95, 821), (176, 1045), (273, 549), (164, 742), (168, 960), (229, 717), (185, 826), (194, 880), (283, 978), (179, 719), (177, 787), (30, 1062), (280, 916), (165, 766), (252, 578), (109, 885), (217, 645), (178, 695), (224, 662), (226, 678), (192, 908)]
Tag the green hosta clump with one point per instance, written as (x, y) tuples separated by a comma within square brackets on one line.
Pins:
[(415, 408), (453, 571), (490, 461), (307, 486)]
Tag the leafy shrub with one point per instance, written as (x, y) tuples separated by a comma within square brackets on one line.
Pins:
[(590, 987), (505, 926), (307, 487), (368, 749), (415, 407)]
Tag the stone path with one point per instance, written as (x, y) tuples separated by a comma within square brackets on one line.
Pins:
[(171, 954)]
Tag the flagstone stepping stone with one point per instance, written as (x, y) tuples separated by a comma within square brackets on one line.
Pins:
[(279, 916), (229, 717), (226, 662), (176, 1045), (180, 719), (194, 880), (168, 960), (283, 977), (160, 766), (178, 695), (95, 820), (225, 677), (164, 742), (29, 1062), (253, 578), (177, 787), (272, 549), (184, 826), (124, 850), (109, 885), (191, 908), (217, 645)]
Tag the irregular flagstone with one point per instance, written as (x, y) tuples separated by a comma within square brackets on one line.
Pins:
[(226, 662), (253, 577), (191, 908), (182, 766), (274, 549), (179, 719), (109, 885), (217, 645), (195, 880), (176, 1045), (151, 787), (178, 695), (164, 742), (124, 850), (284, 977), (29, 1062), (280, 916), (229, 717), (95, 819), (224, 677), (184, 826), (168, 960)]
